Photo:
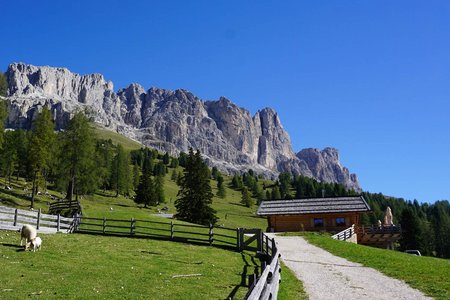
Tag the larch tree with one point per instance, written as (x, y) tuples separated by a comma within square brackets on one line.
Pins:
[(145, 190), (246, 197), (40, 149), (195, 195), (120, 172), (3, 85), (77, 167), (220, 186)]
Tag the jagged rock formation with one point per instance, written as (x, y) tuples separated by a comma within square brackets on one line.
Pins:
[(227, 135)]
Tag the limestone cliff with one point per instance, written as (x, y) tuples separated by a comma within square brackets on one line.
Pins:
[(228, 136)]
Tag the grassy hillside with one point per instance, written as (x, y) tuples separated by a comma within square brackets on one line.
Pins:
[(117, 138), (430, 275), (112, 267)]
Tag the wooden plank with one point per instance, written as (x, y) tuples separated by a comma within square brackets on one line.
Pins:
[(7, 217), (5, 209), (21, 212), (191, 232)]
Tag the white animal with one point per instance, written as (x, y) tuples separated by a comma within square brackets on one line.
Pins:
[(27, 233), (36, 244)]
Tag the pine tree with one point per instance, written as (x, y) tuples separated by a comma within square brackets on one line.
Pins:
[(214, 173), (104, 154), (9, 155), (145, 190), (166, 158), (285, 185), (174, 162), (77, 168), (276, 193), (120, 172), (3, 85), (246, 198), (411, 230), (195, 194), (3, 115), (40, 152), (159, 189), (136, 176), (220, 186), (174, 175)]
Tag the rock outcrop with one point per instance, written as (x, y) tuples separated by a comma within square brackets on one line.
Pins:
[(326, 166), (173, 121)]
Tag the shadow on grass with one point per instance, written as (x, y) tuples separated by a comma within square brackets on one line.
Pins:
[(245, 275), (17, 247), (16, 195)]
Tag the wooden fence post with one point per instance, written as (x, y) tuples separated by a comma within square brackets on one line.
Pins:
[(58, 222), (132, 226), (267, 243), (259, 241), (240, 239), (104, 225), (15, 217), (274, 248), (171, 230), (38, 219), (210, 234)]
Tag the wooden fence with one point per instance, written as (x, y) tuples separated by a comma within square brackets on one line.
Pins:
[(14, 219), (348, 234), (64, 205), (210, 235), (266, 286)]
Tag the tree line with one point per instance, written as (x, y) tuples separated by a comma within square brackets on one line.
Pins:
[(425, 226), (76, 163)]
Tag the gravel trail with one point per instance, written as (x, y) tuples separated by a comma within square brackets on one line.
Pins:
[(326, 276)]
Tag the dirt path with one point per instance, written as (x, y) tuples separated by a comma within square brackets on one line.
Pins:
[(326, 276)]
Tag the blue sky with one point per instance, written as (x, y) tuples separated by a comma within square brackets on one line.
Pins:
[(371, 78)]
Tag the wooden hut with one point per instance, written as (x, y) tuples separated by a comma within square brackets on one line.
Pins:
[(313, 214)]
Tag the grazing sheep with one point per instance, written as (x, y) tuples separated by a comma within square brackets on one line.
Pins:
[(36, 244), (28, 233)]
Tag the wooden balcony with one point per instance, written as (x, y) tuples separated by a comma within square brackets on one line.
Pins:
[(379, 236)]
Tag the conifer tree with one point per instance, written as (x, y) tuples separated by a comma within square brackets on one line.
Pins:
[(159, 189), (3, 85), (136, 175), (276, 193), (9, 155), (104, 154), (246, 198), (77, 167), (166, 158), (174, 175), (145, 190), (195, 194), (40, 152), (3, 115), (120, 173), (220, 186)]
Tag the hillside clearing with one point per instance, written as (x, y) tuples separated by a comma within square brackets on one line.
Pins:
[(112, 267)]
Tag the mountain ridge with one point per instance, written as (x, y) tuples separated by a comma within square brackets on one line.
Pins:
[(228, 136)]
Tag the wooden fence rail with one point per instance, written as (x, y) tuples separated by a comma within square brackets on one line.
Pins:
[(266, 286), (217, 236), (14, 219), (346, 234)]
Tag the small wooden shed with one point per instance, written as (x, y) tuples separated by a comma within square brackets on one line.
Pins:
[(313, 214)]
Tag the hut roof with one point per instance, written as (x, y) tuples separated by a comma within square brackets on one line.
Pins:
[(313, 206)]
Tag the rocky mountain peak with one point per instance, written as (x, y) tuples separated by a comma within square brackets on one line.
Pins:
[(326, 166), (173, 121)]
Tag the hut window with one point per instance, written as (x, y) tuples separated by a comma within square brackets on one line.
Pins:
[(318, 222), (340, 221)]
